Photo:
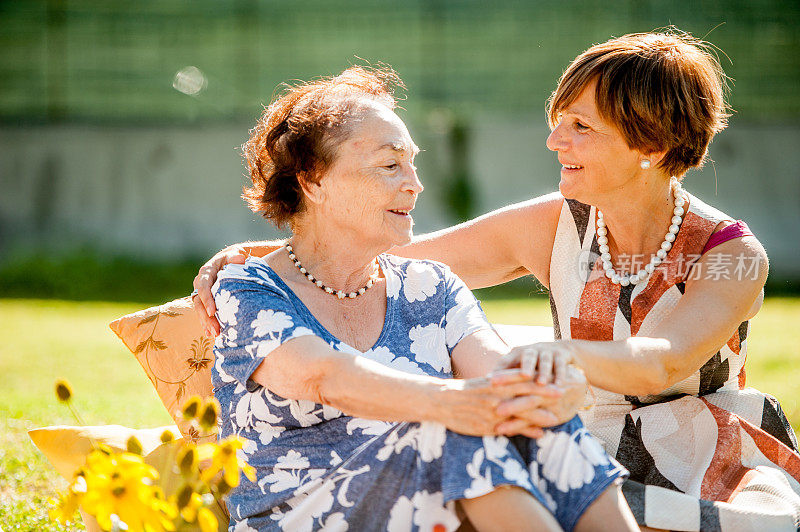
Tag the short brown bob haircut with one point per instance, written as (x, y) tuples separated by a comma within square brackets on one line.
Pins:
[(297, 135), (663, 92)]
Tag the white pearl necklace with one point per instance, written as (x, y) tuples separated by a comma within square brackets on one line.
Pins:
[(338, 293), (658, 258)]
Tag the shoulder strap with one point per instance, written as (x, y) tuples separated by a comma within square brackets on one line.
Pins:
[(735, 230)]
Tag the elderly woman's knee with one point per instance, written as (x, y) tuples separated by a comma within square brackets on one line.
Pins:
[(507, 508)]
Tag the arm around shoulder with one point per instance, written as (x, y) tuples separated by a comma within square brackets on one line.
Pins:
[(496, 247)]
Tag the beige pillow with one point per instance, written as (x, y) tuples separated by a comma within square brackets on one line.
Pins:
[(169, 343), (66, 448)]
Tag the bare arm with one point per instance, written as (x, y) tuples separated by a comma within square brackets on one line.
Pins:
[(497, 247), (307, 368), (489, 250), (702, 322)]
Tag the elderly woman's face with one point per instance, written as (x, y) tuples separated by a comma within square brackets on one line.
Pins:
[(594, 156), (372, 185)]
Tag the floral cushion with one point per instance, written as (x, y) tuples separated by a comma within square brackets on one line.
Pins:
[(169, 343)]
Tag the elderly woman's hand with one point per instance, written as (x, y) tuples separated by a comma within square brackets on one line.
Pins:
[(545, 362), (470, 406), (526, 411), (203, 301)]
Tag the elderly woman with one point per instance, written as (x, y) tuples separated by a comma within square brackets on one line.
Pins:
[(321, 338), (651, 289)]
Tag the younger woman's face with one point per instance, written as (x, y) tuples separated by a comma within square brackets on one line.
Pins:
[(596, 160)]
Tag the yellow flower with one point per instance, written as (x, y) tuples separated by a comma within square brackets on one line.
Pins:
[(63, 391), (70, 501), (192, 504), (121, 486), (191, 407), (193, 509), (208, 418), (207, 520), (224, 458)]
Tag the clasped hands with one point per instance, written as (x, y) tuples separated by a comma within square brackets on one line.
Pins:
[(531, 387)]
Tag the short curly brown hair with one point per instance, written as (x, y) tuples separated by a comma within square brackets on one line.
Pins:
[(298, 133), (663, 91)]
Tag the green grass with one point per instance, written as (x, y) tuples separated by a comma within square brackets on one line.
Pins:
[(44, 340)]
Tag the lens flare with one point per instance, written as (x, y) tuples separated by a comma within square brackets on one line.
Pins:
[(190, 80)]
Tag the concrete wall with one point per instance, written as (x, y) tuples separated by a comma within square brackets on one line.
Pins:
[(174, 192), (148, 191)]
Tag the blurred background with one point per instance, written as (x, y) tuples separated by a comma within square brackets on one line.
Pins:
[(120, 121)]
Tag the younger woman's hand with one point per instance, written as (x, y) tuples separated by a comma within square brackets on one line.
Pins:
[(545, 362), (203, 300)]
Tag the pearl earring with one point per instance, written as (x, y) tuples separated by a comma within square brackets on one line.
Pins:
[(645, 164)]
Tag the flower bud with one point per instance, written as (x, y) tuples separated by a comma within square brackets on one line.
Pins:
[(105, 449), (191, 407), (187, 460), (134, 446), (167, 436), (208, 419), (184, 496), (63, 391), (222, 487)]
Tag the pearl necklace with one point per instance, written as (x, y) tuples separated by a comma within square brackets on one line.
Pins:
[(658, 258), (338, 293)]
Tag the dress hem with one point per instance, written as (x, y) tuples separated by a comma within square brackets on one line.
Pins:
[(617, 474)]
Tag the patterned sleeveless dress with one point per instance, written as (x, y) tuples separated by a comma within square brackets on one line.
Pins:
[(707, 453)]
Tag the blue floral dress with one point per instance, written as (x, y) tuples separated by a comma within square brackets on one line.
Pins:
[(320, 469)]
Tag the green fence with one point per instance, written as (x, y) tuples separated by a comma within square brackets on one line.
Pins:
[(110, 61)]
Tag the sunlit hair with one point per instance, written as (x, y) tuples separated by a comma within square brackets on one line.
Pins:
[(298, 134), (663, 91)]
